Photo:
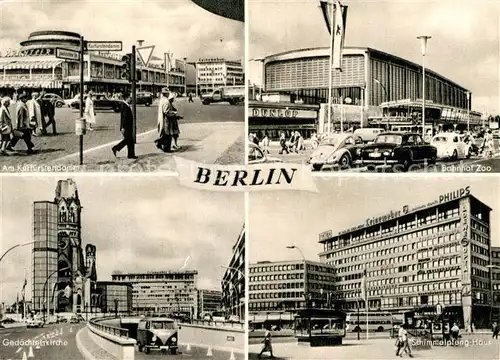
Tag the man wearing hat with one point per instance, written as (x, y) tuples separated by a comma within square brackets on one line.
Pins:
[(22, 125), (165, 111), (35, 112), (127, 129)]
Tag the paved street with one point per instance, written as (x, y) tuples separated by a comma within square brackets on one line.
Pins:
[(52, 342), (476, 164), (213, 132), (478, 347), (191, 353)]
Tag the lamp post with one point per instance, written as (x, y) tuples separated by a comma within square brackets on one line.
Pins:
[(45, 286), (13, 247), (306, 294), (185, 76), (386, 97), (423, 43), (468, 110)]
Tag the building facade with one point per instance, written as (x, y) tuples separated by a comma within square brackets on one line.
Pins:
[(112, 297), (62, 279), (417, 257), (495, 282), (36, 66), (162, 291), (233, 281), (212, 73), (208, 302), (373, 88), (278, 289)]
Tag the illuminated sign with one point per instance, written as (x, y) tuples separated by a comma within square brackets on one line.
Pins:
[(284, 113), (457, 194), (325, 235), (464, 221)]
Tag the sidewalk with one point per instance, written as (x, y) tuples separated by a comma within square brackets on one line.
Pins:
[(211, 143), (89, 349)]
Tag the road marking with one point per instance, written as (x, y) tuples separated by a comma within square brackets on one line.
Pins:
[(30, 353), (6, 334), (36, 337), (19, 350)]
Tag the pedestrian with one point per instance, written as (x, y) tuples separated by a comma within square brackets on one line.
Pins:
[(314, 140), (264, 144), (190, 99), (455, 330), (174, 121), (22, 128), (268, 347), (127, 130), (495, 329), (283, 144), (5, 125), (403, 343), (35, 113), (165, 113), (48, 110), (89, 112)]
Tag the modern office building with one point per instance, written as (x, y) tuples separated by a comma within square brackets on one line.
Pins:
[(233, 281), (112, 297), (277, 289), (36, 65), (380, 88), (208, 301), (495, 282), (213, 73), (417, 257), (162, 291)]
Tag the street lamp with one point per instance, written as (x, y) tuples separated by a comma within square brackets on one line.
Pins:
[(13, 247), (423, 43), (45, 286), (306, 294), (468, 110), (386, 97)]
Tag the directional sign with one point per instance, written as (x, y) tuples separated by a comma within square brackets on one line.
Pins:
[(145, 54), (104, 45), (67, 54)]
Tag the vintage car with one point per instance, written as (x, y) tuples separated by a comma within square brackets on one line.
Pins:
[(144, 98), (337, 149), (101, 102), (157, 333), (55, 99), (35, 322), (368, 134), (397, 150), (257, 156), (451, 146)]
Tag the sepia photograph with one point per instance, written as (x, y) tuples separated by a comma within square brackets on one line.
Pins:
[(372, 268), (120, 268), (92, 86), (375, 86)]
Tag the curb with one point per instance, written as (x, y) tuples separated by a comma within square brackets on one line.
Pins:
[(81, 348)]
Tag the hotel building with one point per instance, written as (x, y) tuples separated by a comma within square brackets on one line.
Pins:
[(208, 301), (277, 289), (233, 281), (113, 297), (212, 73), (495, 282), (162, 291), (417, 258)]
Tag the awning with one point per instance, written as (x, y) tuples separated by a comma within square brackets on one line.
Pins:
[(29, 84), (26, 65)]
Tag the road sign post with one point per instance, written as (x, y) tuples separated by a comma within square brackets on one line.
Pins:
[(104, 46), (82, 50), (134, 95)]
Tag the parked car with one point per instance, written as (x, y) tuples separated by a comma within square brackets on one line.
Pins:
[(451, 146), (398, 151), (54, 98), (368, 134), (101, 102), (34, 323), (338, 149), (157, 333), (257, 156), (233, 318), (144, 98), (496, 134)]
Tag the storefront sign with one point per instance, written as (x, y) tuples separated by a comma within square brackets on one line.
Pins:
[(104, 45), (283, 113), (457, 194), (325, 235), (67, 54)]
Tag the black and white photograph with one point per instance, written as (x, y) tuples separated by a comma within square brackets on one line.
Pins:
[(397, 86), (120, 86), (120, 268), (361, 271)]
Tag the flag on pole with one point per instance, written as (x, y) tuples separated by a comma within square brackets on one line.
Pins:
[(24, 287), (335, 22), (363, 286)]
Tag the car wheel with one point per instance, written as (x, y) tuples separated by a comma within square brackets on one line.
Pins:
[(173, 351), (357, 329), (148, 104), (205, 102), (163, 351), (406, 164), (317, 167), (146, 350), (469, 153), (344, 161), (59, 104), (380, 329), (455, 155)]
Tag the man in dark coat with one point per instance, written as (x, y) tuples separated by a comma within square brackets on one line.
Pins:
[(22, 127), (127, 130), (48, 109)]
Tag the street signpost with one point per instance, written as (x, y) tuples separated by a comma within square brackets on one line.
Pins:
[(104, 46), (145, 54), (67, 54)]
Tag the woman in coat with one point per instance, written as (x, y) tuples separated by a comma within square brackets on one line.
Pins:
[(174, 121), (89, 112), (5, 125)]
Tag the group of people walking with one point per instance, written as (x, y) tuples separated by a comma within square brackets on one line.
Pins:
[(21, 118)]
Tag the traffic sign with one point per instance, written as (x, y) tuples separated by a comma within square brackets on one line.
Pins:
[(145, 54), (67, 54), (104, 46)]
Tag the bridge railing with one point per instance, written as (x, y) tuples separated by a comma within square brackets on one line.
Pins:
[(109, 329), (225, 324)]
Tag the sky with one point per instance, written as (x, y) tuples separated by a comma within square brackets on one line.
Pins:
[(137, 224), (280, 219), (465, 43), (178, 26)]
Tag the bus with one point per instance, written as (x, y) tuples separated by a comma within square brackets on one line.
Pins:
[(377, 321)]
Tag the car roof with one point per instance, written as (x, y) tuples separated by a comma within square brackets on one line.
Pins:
[(398, 133)]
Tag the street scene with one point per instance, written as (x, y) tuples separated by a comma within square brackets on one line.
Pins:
[(76, 98), (416, 276), (110, 268), (374, 98)]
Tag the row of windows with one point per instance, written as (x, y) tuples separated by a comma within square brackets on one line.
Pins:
[(276, 286), (479, 261), (476, 225), (278, 295), (480, 284), (417, 235), (154, 276), (275, 268), (275, 305)]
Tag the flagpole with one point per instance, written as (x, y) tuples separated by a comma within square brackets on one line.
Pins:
[(330, 70)]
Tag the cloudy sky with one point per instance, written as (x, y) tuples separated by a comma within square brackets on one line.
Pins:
[(465, 44), (179, 26), (279, 219), (137, 224)]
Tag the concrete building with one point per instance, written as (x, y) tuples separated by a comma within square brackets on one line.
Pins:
[(112, 297), (495, 282), (277, 289), (213, 73), (162, 292), (418, 256), (233, 281), (208, 302)]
